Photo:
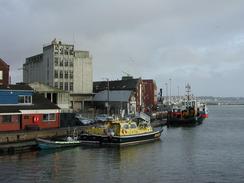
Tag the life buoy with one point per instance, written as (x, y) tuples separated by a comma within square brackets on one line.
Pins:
[(36, 118)]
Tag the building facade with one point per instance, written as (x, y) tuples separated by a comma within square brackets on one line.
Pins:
[(22, 108), (62, 67), (4, 73), (126, 94), (150, 95), (59, 97)]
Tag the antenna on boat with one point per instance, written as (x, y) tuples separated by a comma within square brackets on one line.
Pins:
[(188, 90)]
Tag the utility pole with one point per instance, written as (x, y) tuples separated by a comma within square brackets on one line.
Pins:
[(107, 103), (166, 92), (170, 90), (108, 106), (178, 92)]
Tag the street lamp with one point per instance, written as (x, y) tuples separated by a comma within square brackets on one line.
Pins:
[(107, 103), (170, 90), (166, 92)]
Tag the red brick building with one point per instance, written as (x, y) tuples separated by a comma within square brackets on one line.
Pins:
[(4, 73), (150, 95)]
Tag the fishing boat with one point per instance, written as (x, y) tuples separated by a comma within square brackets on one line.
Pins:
[(121, 132), (50, 144), (69, 141), (189, 111)]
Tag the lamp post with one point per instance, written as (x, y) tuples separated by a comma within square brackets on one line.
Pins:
[(166, 92), (170, 90), (107, 103), (178, 92), (108, 106)]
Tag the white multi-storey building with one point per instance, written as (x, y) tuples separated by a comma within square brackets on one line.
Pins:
[(62, 67)]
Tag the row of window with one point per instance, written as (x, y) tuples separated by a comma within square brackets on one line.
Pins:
[(127, 126), (45, 118), (63, 74), (49, 117), (24, 99), (61, 63), (64, 86)]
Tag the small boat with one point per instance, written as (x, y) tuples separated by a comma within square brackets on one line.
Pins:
[(58, 143), (69, 141), (121, 132)]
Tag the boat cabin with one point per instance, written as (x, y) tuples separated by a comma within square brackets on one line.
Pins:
[(121, 128)]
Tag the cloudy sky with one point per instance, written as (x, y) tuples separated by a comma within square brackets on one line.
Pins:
[(195, 41)]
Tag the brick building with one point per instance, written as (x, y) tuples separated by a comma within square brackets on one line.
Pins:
[(150, 95), (4, 73)]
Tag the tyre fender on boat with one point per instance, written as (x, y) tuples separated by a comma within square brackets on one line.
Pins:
[(124, 131)]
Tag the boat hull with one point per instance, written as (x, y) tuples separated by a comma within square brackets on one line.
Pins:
[(48, 144), (184, 122), (121, 140)]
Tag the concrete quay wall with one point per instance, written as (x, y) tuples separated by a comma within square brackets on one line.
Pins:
[(10, 137), (11, 142)]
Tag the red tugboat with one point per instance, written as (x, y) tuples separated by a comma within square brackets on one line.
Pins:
[(187, 112)]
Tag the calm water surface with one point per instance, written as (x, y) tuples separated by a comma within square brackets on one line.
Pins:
[(211, 152)]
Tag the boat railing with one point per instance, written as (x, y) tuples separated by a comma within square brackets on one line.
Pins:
[(143, 116)]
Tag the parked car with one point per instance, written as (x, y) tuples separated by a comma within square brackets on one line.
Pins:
[(80, 120), (103, 118)]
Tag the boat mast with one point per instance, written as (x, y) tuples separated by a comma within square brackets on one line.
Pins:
[(188, 91)]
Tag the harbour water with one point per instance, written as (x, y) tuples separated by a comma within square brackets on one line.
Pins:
[(210, 152)]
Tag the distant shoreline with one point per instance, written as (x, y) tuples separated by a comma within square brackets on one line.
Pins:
[(222, 104)]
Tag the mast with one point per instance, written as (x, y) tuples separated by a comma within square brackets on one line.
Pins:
[(188, 91)]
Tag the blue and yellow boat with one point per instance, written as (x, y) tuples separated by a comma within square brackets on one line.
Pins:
[(121, 132)]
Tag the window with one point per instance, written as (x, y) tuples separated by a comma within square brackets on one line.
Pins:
[(66, 86), (61, 63), (66, 63), (56, 61), (55, 74), (133, 125), (71, 51), (71, 63), (71, 86), (66, 74), (71, 75), (1, 75), (6, 118), (126, 126), (24, 99), (49, 117), (61, 74), (26, 117), (61, 85), (56, 84)]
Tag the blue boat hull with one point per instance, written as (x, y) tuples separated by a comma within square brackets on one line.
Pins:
[(48, 144)]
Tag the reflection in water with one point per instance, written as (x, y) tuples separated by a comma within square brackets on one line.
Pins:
[(211, 152)]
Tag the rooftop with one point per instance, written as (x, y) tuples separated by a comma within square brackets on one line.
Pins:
[(128, 84), (39, 103)]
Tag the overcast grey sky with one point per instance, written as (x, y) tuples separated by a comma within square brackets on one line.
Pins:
[(195, 41)]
